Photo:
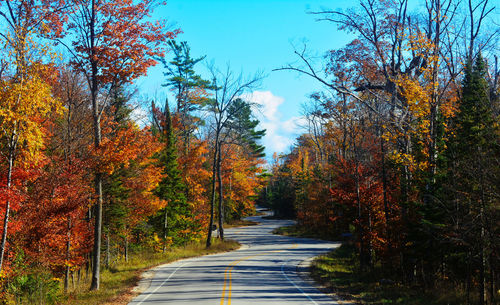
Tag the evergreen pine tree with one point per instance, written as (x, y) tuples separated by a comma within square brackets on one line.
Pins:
[(474, 173), (182, 79), (115, 193), (242, 124), (176, 216)]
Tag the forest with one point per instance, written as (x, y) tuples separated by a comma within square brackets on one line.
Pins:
[(400, 153), (85, 182)]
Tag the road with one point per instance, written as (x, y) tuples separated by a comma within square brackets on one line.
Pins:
[(263, 271)]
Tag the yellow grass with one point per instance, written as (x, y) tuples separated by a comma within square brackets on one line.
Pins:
[(118, 281), (240, 223)]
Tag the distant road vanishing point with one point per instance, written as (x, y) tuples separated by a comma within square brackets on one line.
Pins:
[(263, 271)]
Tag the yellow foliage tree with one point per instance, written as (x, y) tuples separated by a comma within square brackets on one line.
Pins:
[(26, 101)]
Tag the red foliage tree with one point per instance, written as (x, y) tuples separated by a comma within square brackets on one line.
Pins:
[(114, 43)]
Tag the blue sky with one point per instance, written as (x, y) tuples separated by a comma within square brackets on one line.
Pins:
[(251, 36)]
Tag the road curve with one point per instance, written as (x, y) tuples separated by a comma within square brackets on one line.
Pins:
[(263, 271)]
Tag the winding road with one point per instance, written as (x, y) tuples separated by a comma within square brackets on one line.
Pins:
[(263, 271)]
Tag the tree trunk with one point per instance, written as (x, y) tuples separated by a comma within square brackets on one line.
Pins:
[(97, 142), (68, 248), (165, 230), (369, 251), (362, 250), (212, 201), (482, 278), (491, 290), (88, 266), (221, 207), (126, 248), (344, 126), (384, 193), (468, 282), (405, 195), (483, 244), (7, 206), (107, 249), (434, 102), (96, 255), (482, 256)]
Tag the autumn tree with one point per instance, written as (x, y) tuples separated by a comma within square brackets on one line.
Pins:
[(25, 94), (227, 88), (196, 177), (241, 154), (68, 148), (113, 43)]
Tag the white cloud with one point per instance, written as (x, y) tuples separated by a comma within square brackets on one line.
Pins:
[(269, 103), (280, 134), (275, 140), (294, 125), (278, 144), (139, 115)]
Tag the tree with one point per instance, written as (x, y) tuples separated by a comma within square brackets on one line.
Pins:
[(475, 169), (69, 141), (113, 44), (226, 90), (196, 176), (243, 128), (25, 94), (189, 87), (174, 217)]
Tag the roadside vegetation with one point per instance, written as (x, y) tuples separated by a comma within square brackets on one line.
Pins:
[(240, 223), (121, 277), (339, 272), (301, 231)]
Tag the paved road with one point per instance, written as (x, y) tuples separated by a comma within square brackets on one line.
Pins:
[(262, 271)]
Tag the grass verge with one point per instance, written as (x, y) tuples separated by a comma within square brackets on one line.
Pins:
[(118, 281), (299, 231), (339, 272), (240, 223)]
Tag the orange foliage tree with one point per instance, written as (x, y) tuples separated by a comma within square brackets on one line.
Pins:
[(113, 44), (25, 95)]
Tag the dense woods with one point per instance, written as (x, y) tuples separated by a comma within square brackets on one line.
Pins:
[(84, 181), (401, 151)]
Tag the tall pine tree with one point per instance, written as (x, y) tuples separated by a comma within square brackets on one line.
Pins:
[(474, 176), (184, 82), (174, 220), (241, 123)]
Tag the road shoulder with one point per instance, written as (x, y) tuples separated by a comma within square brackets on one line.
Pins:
[(303, 269)]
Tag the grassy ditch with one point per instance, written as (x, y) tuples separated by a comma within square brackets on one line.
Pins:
[(339, 272), (118, 281)]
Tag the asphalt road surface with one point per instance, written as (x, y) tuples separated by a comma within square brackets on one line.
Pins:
[(263, 271)]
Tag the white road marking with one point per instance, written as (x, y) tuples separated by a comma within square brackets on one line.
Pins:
[(166, 280), (295, 285)]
